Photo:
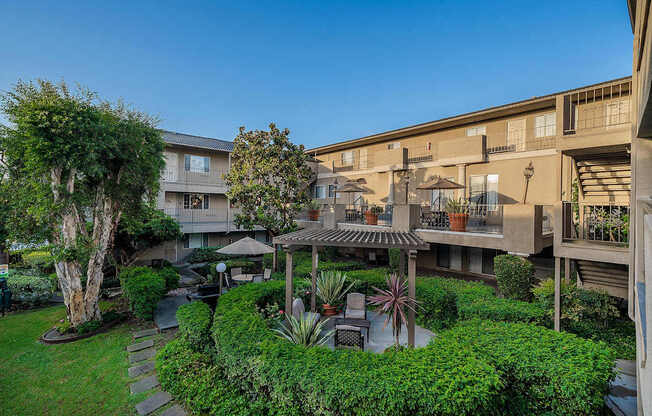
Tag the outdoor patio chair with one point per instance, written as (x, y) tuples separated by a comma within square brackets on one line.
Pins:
[(350, 336), (299, 311), (268, 275), (258, 278), (355, 306), (236, 271)]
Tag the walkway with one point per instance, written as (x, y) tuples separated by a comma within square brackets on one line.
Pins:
[(143, 372), (622, 391)]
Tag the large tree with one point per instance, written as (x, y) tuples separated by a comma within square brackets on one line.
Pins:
[(268, 180), (75, 165)]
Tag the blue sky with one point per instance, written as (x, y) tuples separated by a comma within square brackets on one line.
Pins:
[(328, 70)]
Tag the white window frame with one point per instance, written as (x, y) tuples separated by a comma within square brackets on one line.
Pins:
[(476, 131), (320, 191), (191, 163), (347, 158), (195, 240), (545, 125), (188, 201), (393, 146), (618, 109), (491, 201), (445, 195), (518, 140)]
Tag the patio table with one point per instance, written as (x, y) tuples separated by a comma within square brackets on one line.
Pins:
[(245, 278)]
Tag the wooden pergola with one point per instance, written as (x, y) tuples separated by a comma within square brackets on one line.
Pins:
[(407, 242)]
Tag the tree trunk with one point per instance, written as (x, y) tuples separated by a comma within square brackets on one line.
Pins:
[(4, 255)]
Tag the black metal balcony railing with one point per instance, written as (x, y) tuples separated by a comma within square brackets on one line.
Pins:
[(483, 218), (603, 223), (306, 215), (548, 220), (356, 214), (419, 155)]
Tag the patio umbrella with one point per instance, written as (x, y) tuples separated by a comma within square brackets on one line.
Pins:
[(440, 183), (246, 247), (351, 187)]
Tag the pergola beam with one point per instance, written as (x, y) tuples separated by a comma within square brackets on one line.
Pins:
[(412, 272), (315, 264), (288, 280)]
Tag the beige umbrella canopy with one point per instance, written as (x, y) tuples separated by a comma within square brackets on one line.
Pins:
[(440, 183), (246, 247)]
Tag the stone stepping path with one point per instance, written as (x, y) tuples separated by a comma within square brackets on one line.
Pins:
[(153, 403), (139, 352), (139, 370), (140, 346)]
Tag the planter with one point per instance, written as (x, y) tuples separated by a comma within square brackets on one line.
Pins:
[(458, 221), (371, 219), (313, 215), (52, 336), (329, 310)]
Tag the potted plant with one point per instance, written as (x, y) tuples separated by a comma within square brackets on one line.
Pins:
[(371, 215), (394, 302), (331, 287), (313, 210), (458, 214)]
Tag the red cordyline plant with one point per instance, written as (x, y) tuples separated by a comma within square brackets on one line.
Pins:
[(394, 302)]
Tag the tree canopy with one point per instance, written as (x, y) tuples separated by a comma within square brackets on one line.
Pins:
[(269, 179), (74, 164)]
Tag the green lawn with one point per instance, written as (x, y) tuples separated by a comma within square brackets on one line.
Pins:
[(87, 377)]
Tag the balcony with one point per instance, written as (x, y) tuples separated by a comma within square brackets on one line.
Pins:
[(174, 180), (468, 149), (596, 223), (357, 214), (487, 219), (201, 220)]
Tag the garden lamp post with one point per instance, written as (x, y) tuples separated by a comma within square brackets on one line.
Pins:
[(221, 268), (528, 172)]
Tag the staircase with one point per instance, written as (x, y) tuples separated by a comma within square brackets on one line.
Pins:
[(611, 277), (604, 174)]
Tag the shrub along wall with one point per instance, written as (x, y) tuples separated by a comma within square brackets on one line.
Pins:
[(143, 288), (515, 276), (292, 379), (31, 290), (195, 321)]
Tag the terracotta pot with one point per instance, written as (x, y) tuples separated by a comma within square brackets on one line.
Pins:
[(313, 215), (329, 310), (371, 219), (458, 221)]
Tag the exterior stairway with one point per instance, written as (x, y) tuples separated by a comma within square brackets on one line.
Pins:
[(602, 175), (611, 277)]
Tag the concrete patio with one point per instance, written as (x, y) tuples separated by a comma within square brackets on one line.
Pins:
[(380, 339)]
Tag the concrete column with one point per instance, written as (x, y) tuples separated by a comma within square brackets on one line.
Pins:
[(567, 269), (412, 272), (288, 280), (401, 264), (557, 294), (461, 179), (390, 192), (315, 263)]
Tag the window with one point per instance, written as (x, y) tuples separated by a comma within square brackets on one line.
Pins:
[(331, 191), (196, 201), (428, 146), (545, 125), (195, 240), (516, 135), (197, 163), (617, 112), (440, 197), (347, 158), (320, 192), (476, 131), (483, 190), (395, 145)]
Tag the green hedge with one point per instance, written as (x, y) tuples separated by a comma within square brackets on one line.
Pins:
[(206, 255), (171, 277), (40, 260), (31, 290), (195, 323), (543, 372), (202, 387), (143, 288), (292, 379), (515, 276)]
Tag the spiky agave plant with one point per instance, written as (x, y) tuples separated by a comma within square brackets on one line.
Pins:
[(331, 286), (394, 302), (304, 331)]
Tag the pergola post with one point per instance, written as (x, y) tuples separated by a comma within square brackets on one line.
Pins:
[(557, 318), (315, 263), (288, 280), (567, 269), (275, 259), (401, 263), (412, 271)]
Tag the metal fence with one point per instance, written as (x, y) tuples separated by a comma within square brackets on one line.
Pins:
[(357, 214), (483, 218), (607, 223)]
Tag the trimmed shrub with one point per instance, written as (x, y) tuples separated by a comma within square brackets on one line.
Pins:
[(195, 323), (515, 276), (128, 272), (40, 260), (292, 379), (171, 277), (192, 378), (206, 254), (31, 290), (143, 291), (544, 372)]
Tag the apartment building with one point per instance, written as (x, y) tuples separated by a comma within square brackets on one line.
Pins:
[(193, 191), (641, 213), (572, 209)]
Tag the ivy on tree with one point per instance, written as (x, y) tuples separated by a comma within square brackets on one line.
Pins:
[(75, 165), (269, 180)]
